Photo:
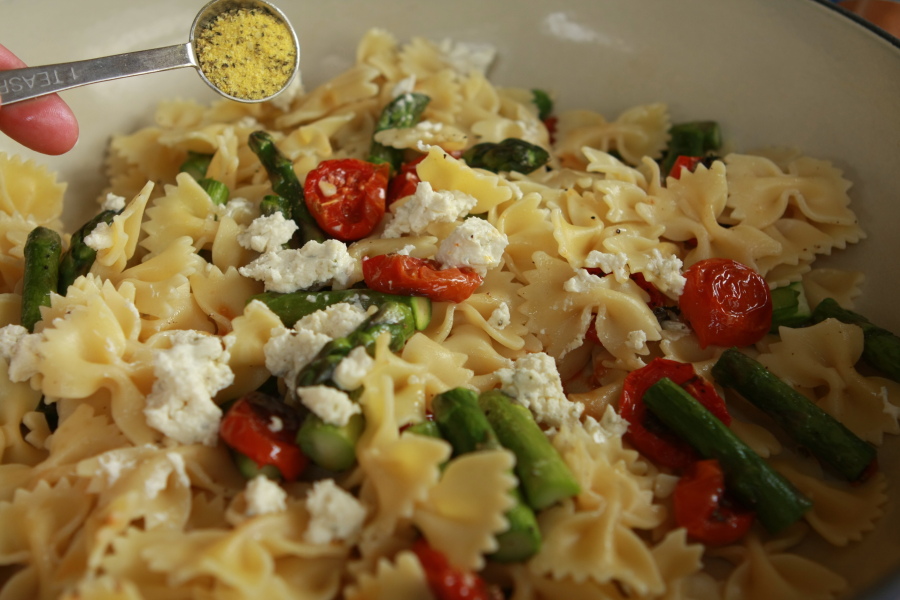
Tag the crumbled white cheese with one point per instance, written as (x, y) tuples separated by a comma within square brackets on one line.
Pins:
[(264, 497), (500, 317), (268, 233), (329, 404), (535, 383), (582, 283), (474, 243), (466, 57), (20, 350), (188, 375), (158, 480), (425, 207), (666, 270), (352, 369), (406, 250), (113, 202), (239, 209), (616, 264), (610, 426), (334, 514), (315, 263), (101, 237), (405, 86), (116, 462), (288, 350), (636, 339)]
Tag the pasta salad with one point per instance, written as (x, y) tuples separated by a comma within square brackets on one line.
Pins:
[(413, 335)]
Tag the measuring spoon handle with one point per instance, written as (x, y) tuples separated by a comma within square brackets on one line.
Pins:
[(31, 82)]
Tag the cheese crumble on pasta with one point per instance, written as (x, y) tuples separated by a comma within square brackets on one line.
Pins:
[(132, 497)]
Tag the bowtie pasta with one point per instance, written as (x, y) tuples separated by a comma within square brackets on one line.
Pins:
[(116, 481)]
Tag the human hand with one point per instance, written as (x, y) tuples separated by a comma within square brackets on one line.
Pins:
[(45, 125)]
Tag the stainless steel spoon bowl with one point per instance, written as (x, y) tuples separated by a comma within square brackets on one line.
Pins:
[(17, 85)]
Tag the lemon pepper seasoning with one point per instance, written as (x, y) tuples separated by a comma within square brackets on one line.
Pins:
[(247, 53)]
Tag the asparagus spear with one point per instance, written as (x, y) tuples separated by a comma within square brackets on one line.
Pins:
[(805, 422), (285, 184), (695, 138), (426, 428), (273, 203), (41, 277), (789, 307), (218, 191), (462, 423), (881, 348), (333, 446), (293, 306), (393, 317), (544, 103), (79, 258), (776, 502), (511, 154), (196, 164), (545, 477), (403, 111)]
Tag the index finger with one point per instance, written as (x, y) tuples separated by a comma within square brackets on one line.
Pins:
[(46, 124)]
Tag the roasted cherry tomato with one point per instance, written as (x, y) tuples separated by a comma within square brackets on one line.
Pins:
[(446, 581), (550, 123), (347, 196), (263, 429), (406, 180), (408, 275), (648, 435), (684, 162), (702, 509), (726, 303)]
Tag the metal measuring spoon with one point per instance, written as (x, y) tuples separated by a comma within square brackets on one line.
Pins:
[(17, 85)]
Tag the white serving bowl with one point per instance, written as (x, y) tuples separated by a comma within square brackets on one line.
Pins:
[(798, 73)]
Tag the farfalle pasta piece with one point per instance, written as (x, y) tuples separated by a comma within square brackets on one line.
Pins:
[(222, 296), (841, 513), (690, 207), (400, 579), (95, 345), (591, 545), (19, 399), (246, 342), (759, 192), (14, 230), (162, 289), (624, 323), (843, 286), (637, 132), (823, 357), (526, 224), (444, 172), (30, 190), (464, 511), (772, 574), (356, 83), (39, 525), (184, 210), (123, 235)]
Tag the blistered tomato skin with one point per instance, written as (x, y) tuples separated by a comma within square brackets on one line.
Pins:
[(347, 197), (411, 276), (726, 303)]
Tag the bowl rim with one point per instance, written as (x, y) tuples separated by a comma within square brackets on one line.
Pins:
[(833, 5)]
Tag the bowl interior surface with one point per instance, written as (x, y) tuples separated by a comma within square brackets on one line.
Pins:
[(791, 73)]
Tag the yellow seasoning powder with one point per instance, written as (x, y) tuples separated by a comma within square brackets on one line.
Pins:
[(248, 53)]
